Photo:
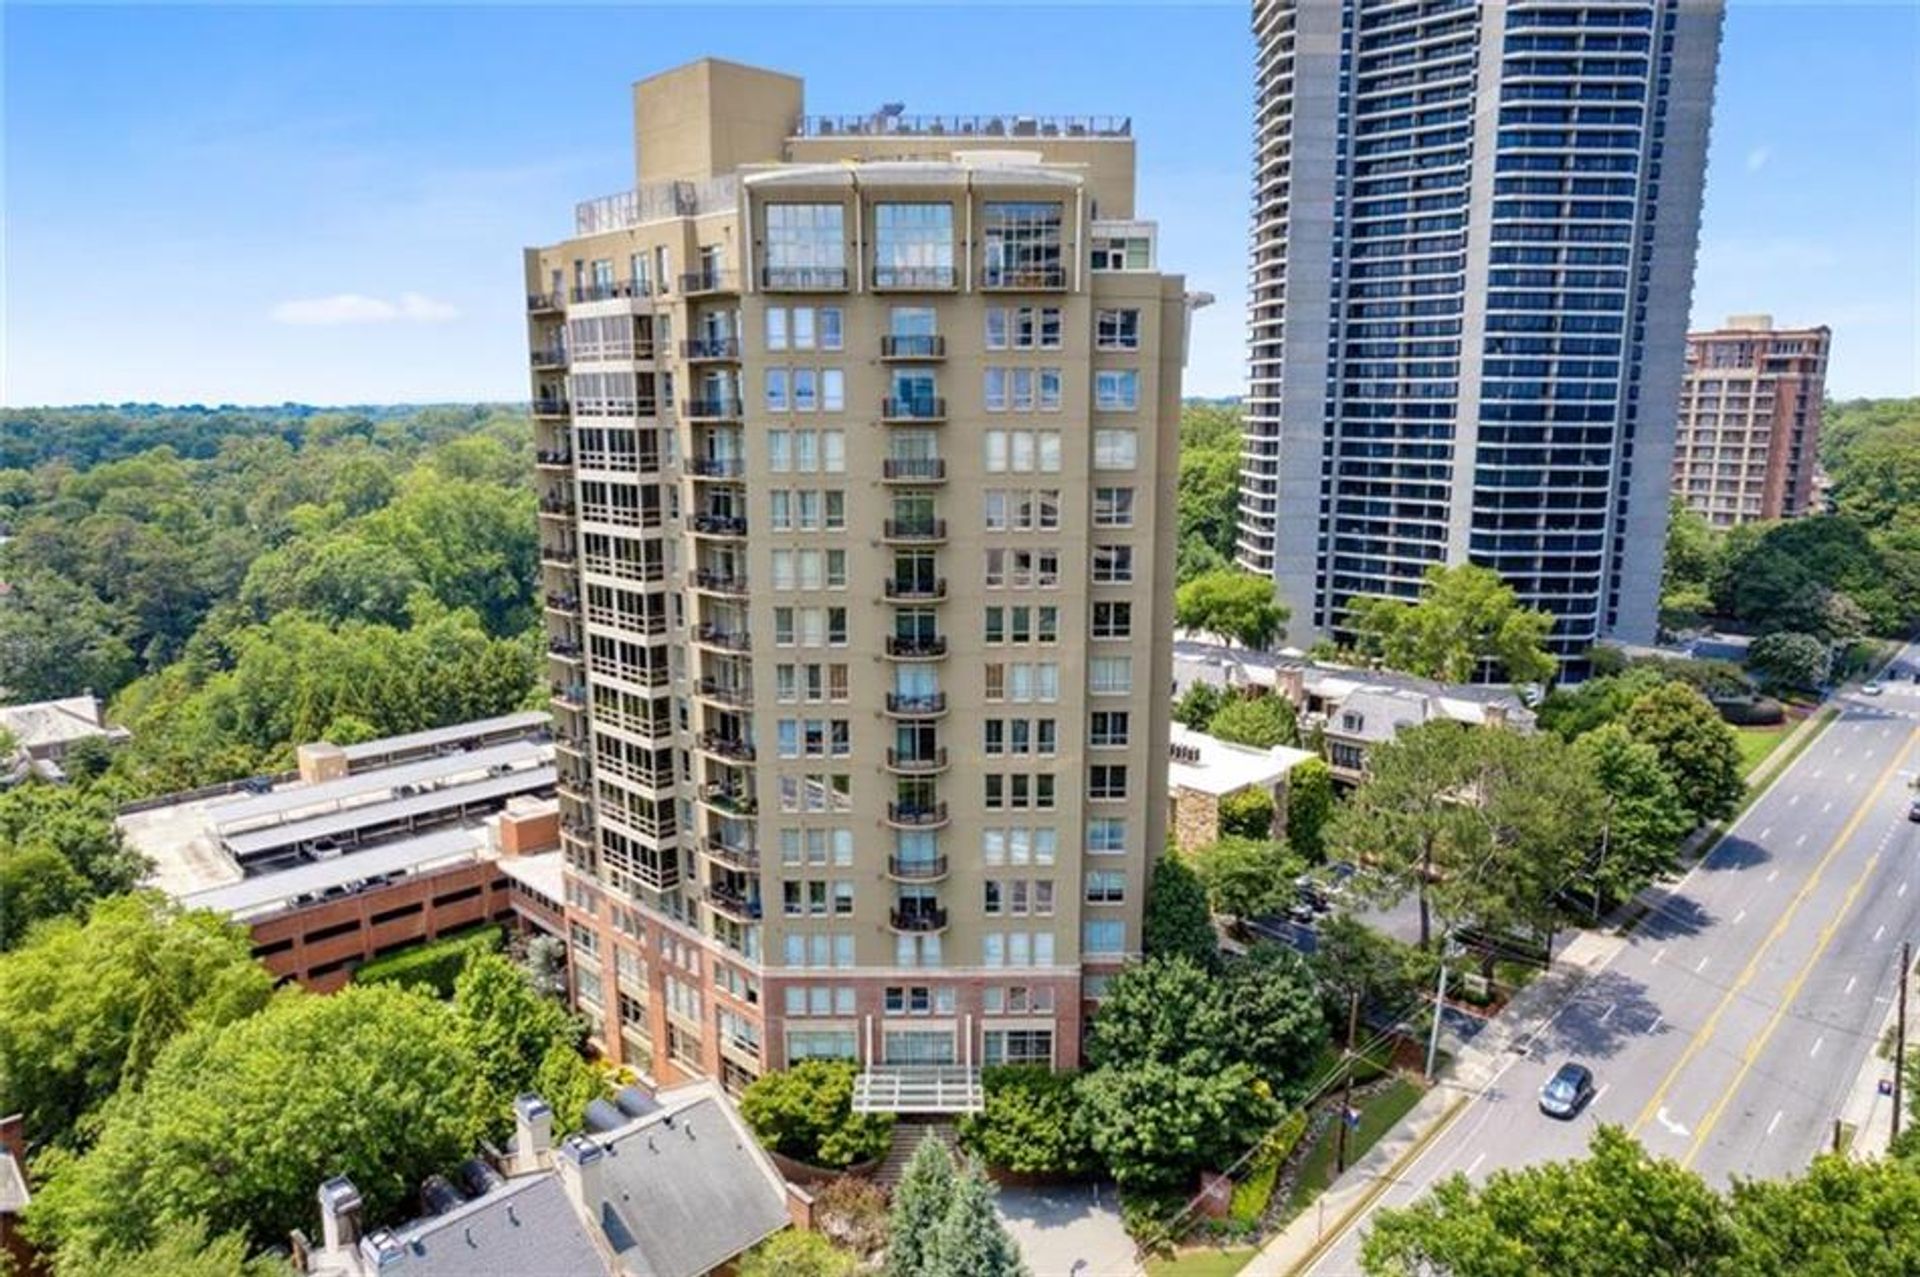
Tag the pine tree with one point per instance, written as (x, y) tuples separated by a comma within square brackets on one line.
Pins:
[(971, 1241), (920, 1203)]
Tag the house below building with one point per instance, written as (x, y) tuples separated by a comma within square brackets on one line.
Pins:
[(44, 731), (16, 1255), (1203, 770)]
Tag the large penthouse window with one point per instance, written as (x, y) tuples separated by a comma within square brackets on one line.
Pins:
[(913, 246), (806, 246), (1023, 247)]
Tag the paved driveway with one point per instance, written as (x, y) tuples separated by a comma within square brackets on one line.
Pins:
[(1069, 1230)]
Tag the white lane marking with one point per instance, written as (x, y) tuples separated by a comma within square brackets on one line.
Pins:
[(1656, 1023), (1658, 956), (1828, 806), (1474, 1165), (1739, 916), (1611, 1008), (1901, 892), (1773, 875), (1879, 931), (1599, 1095), (1702, 965), (1801, 841), (1850, 983), (1777, 1115), (1851, 776), (1817, 1044), (1672, 1127), (1816, 773), (1764, 833), (1791, 801)]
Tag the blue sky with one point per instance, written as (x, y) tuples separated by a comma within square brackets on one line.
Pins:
[(183, 185)]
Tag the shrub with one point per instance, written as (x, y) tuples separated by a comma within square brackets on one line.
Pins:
[(1260, 722), (1758, 711), (1032, 1125), (436, 964), (1247, 813), (852, 1213), (806, 1113), (1255, 1188), (796, 1254)]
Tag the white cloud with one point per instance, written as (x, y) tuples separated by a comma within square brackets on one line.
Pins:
[(357, 308), (1757, 158)]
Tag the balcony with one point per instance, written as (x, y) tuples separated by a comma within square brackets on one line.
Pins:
[(909, 591), (913, 408), (926, 705), (717, 467), (550, 407), (556, 508), (553, 458), (917, 647), (714, 408), (709, 281), (804, 279), (920, 530), (571, 744), (914, 470), (727, 746), (566, 650), (608, 289), (1024, 278), (570, 695), (550, 359), (913, 347), (731, 584), (734, 800), (725, 693), (713, 635), (720, 525), (933, 760), (745, 859), (558, 556), (559, 601), (917, 815), (917, 870), (914, 278), (734, 904), (543, 303), (695, 349), (922, 919)]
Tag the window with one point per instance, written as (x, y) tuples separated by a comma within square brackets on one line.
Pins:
[(1113, 565), (913, 246), (1023, 244), (1023, 451), (1113, 507), (1105, 936), (1021, 682), (1115, 449), (1110, 675), (807, 451), (1018, 1046), (1107, 836), (1023, 328), (1022, 623), (1116, 388), (806, 245), (1112, 620), (1123, 252), (777, 399), (1108, 728), (1019, 791), (804, 328), (820, 1044), (1020, 736), (1106, 887), (1107, 782), (1116, 329)]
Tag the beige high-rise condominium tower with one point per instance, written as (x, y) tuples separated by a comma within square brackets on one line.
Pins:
[(857, 445), (1750, 410)]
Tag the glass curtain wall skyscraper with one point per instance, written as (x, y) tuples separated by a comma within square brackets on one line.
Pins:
[(1473, 250)]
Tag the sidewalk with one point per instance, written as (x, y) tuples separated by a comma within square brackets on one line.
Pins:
[(1865, 1109), (1474, 1069)]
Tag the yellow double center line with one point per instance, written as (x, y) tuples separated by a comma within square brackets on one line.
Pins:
[(1706, 1030)]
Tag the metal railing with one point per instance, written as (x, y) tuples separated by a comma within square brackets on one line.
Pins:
[(886, 122), (916, 645), (710, 348), (914, 469), (920, 347), (934, 761), (914, 277), (1018, 277), (914, 529), (804, 279), (917, 814), (900, 589), (933, 919), (925, 703), (708, 281), (914, 408), (917, 870)]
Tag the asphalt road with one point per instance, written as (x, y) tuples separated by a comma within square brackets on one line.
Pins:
[(1728, 1030)]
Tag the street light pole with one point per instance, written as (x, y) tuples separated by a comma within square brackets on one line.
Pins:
[(1439, 1002), (1346, 1092), (1900, 1035)]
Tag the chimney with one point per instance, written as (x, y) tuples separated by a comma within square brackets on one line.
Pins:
[(339, 1213), (532, 1133), (381, 1251), (1291, 682), (581, 1165)]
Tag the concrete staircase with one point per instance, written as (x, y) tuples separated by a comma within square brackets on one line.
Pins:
[(907, 1134)]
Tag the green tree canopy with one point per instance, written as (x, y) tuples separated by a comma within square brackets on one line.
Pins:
[(1233, 605), (806, 1112), (797, 1254), (1259, 721), (920, 1202), (1310, 805), (1247, 813), (1176, 921), (1156, 1125), (1790, 661), (522, 1040), (1032, 1124), (970, 1240), (86, 1006), (1643, 817), (1274, 1013), (1247, 877), (1698, 751), (1466, 616)]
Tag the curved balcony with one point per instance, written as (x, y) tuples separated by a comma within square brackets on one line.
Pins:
[(736, 905), (697, 349), (732, 526), (917, 764), (803, 279), (731, 799), (918, 920), (729, 747), (710, 635), (731, 584), (914, 278), (917, 815), (915, 591), (549, 407), (717, 467), (914, 470), (913, 408), (916, 647), (917, 870), (932, 705), (745, 859), (913, 348), (715, 408), (914, 531), (725, 693)]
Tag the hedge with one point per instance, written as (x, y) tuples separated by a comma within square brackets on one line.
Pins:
[(436, 963)]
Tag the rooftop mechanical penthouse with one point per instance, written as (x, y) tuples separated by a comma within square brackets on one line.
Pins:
[(857, 444)]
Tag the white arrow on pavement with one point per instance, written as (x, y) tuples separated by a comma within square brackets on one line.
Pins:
[(1672, 1127)]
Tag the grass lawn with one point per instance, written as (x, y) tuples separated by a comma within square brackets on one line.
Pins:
[(1376, 1119), (1207, 1261), (1758, 742)]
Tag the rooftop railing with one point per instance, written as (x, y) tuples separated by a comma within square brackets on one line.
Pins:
[(886, 124)]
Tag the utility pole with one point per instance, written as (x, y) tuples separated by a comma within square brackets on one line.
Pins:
[(1900, 1033), (1439, 1002), (1346, 1092)]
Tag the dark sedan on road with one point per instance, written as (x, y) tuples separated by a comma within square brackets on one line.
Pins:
[(1567, 1091)]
